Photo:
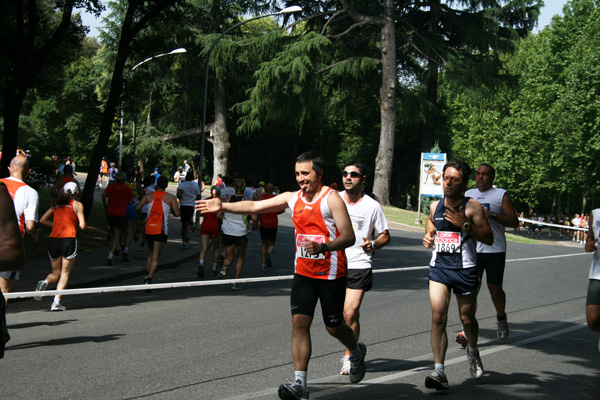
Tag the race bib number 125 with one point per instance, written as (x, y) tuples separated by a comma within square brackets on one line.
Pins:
[(447, 242), (301, 250)]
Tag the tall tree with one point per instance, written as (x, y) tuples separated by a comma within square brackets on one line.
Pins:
[(30, 33), (136, 15)]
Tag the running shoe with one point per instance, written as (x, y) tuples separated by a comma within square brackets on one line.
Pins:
[(263, 268), (235, 287), (213, 272), (41, 285), (292, 391), (110, 262), (461, 339), (503, 330), (125, 256), (141, 247), (148, 281), (201, 272), (57, 307), (221, 260), (268, 259), (475, 365), (357, 367), (437, 380), (223, 272), (184, 245), (345, 365)]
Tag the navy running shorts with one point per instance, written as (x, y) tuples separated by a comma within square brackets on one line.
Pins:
[(493, 265), (464, 281), (331, 293), (116, 222), (360, 279), (187, 213), (12, 275)]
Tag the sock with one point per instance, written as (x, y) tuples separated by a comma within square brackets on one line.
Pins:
[(347, 353), (110, 256), (56, 300), (263, 265), (300, 376), (126, 249), (501, 318), (472, 351), (355, 354), (439, 367), (201, 262), (214, 267)]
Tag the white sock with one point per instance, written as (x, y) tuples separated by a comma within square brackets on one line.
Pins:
[(201, 262), (126, 250), (300, 376), (439, 367), (472, 351), (56, 300), (110, 256)]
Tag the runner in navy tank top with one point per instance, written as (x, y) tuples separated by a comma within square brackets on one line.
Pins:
[(454, 225)]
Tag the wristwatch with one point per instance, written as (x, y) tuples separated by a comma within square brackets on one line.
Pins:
[(466, 226), (324, 248), (494, 215)]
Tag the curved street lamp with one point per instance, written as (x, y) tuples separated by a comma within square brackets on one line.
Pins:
[(287, 10), (176, 51)]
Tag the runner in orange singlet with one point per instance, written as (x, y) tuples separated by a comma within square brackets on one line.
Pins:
[(156, 227), (64, 216), (323, 231)]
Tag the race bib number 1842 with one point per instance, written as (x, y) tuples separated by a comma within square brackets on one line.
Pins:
[(447, 242)]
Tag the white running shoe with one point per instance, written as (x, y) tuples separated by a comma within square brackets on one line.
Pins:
[(345, 365), (41, 285), (503, 330), (475, 365), (57, 307)]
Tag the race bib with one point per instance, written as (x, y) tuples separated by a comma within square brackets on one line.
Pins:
[(301, 251), (447, 242)]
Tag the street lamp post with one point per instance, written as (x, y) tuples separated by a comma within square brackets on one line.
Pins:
[(176, 51), (287, 10)]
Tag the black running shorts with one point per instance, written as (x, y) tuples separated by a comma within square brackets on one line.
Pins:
[(269, 234), (360, 279), (331, 293), (593, 294), (493, 265), (464, 281), (62, 247)]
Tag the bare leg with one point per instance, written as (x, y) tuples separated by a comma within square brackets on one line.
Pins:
[(439, 296)]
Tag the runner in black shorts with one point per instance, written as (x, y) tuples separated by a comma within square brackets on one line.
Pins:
[(371, 232)]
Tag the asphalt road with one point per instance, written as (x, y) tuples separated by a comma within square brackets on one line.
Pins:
[(211, 343)]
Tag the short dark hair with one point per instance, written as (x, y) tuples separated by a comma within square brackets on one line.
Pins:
[(227, 180), (316, 158), (489, 166), (68, 169), (162, 182), (358, 165), (462, 167), (189, 176)]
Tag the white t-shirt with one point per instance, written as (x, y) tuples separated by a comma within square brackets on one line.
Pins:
[(367, 217), (189, 191), (234, 224), (491, 200), (26, 201), (595, 268)]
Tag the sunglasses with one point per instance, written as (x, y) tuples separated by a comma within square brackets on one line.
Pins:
[(353, 174)]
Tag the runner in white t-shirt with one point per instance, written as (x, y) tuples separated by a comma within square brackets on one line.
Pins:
[(371, 231), (491, 259), (592, 305)]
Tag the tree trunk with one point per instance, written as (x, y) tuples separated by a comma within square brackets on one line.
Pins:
[(428, 135), (385, 152), (218, 132)]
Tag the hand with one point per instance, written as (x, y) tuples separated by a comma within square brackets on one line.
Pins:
[(456, 218), (209, 206), (590, 246), (313, 248), (366, 246), (428, 239)]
